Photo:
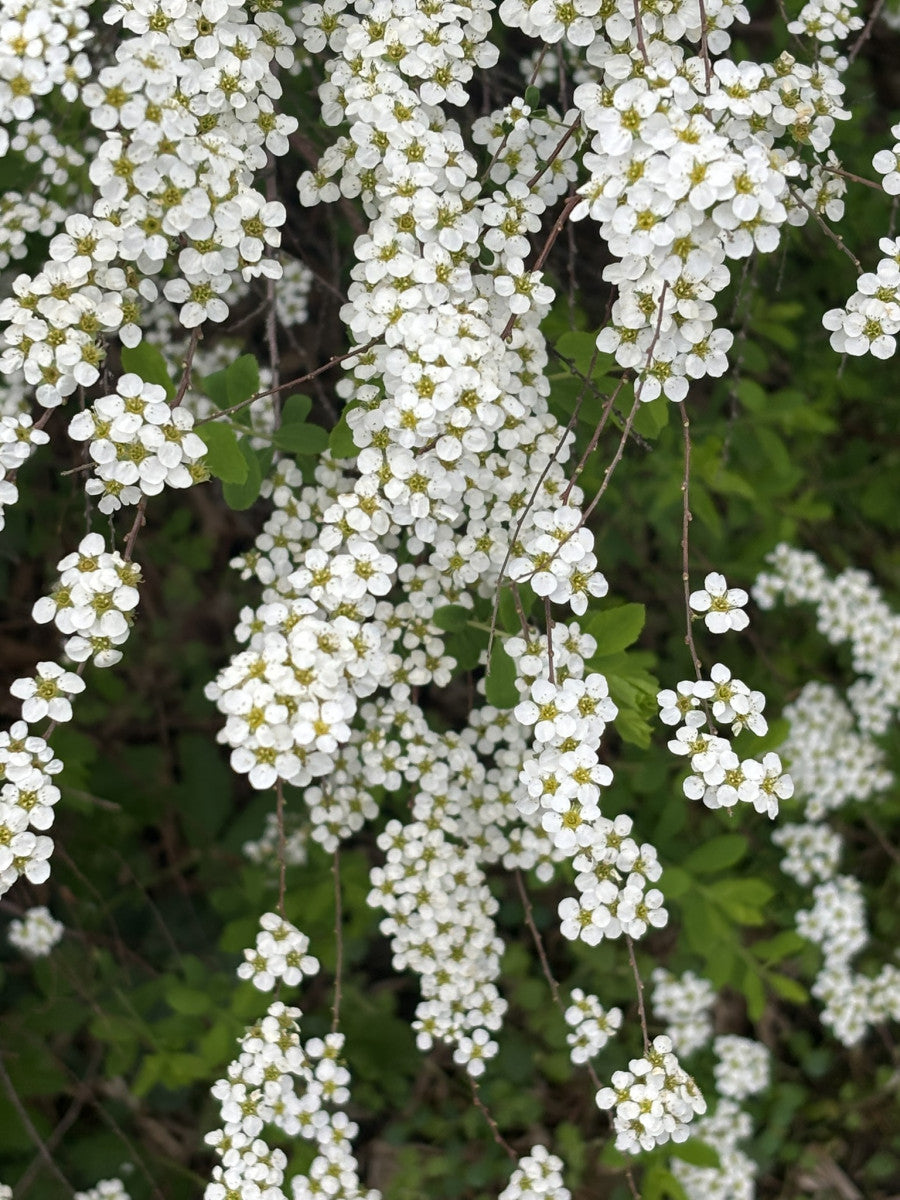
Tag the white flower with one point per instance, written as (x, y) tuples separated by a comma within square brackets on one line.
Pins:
[(723, 605)]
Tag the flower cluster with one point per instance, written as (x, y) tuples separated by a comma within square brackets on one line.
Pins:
[(182, 135), (538, 1176), (280, 954), (733, 1178), (270, 847), (743, 1066), (106, 1189), (836, 761), (138, 444), (685, 1004), (591, 1026), (92, 603), (654, 1101), (36, 933), (717, 775), (18, 438), (41, 49), (812, 850), (870, 322), (276, 1080), (27, 799)]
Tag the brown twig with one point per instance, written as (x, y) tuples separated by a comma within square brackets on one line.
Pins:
[(685, 539), (554, 153), (639, 984), (866, 33), (828, 231), (542, 257), (485, 1112), (332, 362), (29, 1127)]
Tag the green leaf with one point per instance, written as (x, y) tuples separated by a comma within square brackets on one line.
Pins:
[(783, 945), (742, 899), (500, 684), (187, 1000), (301, 439), (507, 613), (466, 647), (652, 418), (340, 440), (754, 993), (675, 882), (452, 617), (717, 854), (532, 96), (295, 410), (695, 1152), (788, 988), (634, 728), (616, 628), (224, 458), (147, 361), (242, 379), (233, 384), (241, 495)]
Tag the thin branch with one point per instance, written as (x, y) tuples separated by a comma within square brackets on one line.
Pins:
[(338, 939), (870, 183), (685, 539), (866, 33), (332, 362), (828, 231), (639, 26), (554, 153), (495, 1128), (639, 984), (570, 203), (282, 847), (82, 1093), (41, 1146)]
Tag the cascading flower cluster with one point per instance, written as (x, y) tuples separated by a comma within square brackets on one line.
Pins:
[(836, 760), (299, 1088)]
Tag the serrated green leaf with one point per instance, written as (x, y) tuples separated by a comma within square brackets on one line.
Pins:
[(147, 361), (500, 684), (633, 728), (616, 628), (717, 854), (301, 439), (452, 617), (223, 453), (241, 495), (295, 410)]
